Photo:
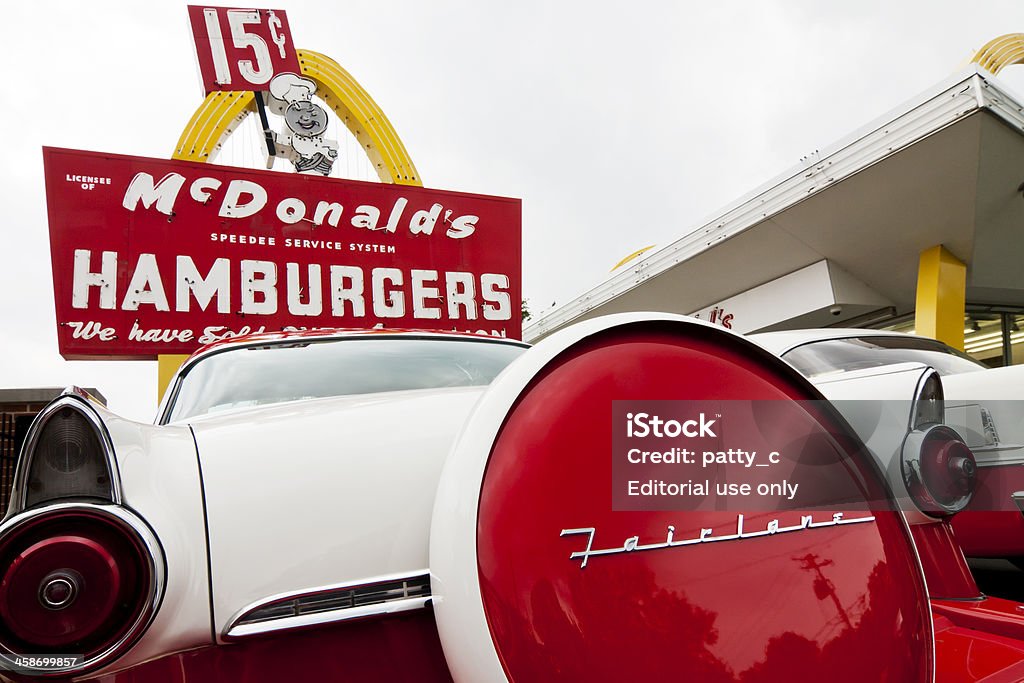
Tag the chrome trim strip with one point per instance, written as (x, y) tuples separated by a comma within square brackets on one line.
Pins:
[(997, 448), (135, 526), (236, 629), (81, 404), (319, 618), (1001, 463), (998, 456)]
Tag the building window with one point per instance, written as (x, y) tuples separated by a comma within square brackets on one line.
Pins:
[(904, 323), (992, 335), (983, 338), (1016, 334)]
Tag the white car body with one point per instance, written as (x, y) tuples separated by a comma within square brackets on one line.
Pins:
[(371, 536)]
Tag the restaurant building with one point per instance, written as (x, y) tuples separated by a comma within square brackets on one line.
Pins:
[(914, 222)]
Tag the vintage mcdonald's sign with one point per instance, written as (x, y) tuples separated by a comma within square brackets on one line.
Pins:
[(160, 256)]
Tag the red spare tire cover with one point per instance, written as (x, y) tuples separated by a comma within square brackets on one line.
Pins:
[(519, 599)]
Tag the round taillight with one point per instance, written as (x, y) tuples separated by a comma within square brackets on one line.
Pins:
[(939, 470), (76, 579)]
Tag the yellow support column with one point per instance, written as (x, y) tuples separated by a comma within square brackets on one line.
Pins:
[(166, 365), (941, 296)]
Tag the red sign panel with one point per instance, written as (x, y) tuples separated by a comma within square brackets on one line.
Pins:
[(241, 49), (153, 256)]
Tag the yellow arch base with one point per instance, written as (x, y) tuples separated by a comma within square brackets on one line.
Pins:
[(166, 365), (941, 296), (1001, 52), (221, 112)]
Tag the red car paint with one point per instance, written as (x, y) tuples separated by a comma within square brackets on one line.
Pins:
[(803, 606), (401, 648), (993, 526), (945, 568), (979, 640)]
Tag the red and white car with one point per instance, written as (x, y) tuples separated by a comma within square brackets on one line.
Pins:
[(423, 507), (983, 405)]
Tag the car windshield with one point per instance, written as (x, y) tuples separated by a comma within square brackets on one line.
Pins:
[(248, 376), (856, 353)]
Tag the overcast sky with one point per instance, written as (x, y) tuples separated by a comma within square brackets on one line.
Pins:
[(618, 124)]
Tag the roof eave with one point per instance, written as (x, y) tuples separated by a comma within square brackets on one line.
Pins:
[(969, 91)]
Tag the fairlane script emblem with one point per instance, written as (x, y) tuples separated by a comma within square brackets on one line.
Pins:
[(632, 544)]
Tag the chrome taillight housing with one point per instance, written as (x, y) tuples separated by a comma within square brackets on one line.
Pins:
[(929, 401), (76, 579), (67, 454), (939, 470), (79, 573)]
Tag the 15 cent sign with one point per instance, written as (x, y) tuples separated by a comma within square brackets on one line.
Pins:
[(152, 256), (241, 49)]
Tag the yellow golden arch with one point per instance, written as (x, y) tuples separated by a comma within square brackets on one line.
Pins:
[(222, 111), (1001, 52), (630, 257)]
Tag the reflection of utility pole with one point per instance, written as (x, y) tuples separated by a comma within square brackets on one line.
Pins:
[(823, 587)]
